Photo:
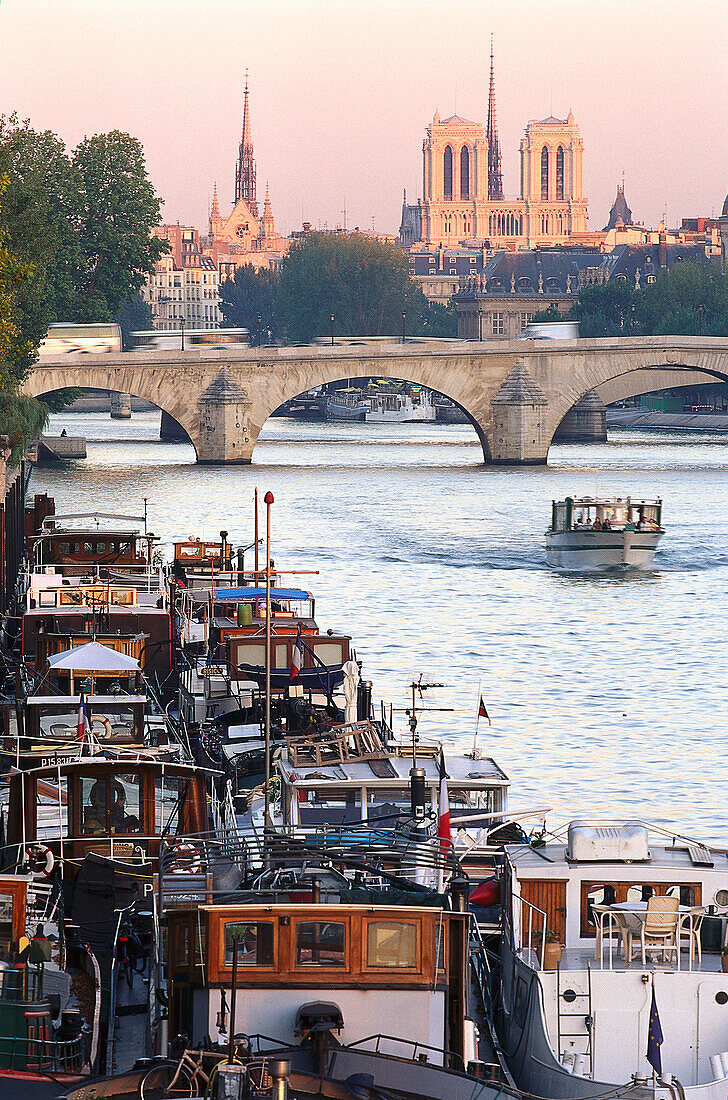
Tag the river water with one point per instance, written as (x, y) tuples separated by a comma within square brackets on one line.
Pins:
[(607, 694)]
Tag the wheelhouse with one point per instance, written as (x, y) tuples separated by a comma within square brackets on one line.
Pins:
[(48, 727), (118, 807), (73, 544), (375, 964)]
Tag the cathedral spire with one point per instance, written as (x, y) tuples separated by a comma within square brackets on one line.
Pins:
[(215, 211), (245, 169), (495, 176)]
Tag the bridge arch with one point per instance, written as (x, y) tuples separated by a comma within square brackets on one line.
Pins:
[(399, 371), (624, 381), (150, 386)]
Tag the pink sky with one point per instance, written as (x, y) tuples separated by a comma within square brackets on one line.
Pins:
[(341, 92)]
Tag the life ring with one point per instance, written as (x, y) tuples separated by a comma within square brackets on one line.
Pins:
[(186, 860), (40, 860), (108, 728)]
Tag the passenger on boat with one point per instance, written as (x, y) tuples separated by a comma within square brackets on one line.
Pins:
[(607, 524), (597, 524)]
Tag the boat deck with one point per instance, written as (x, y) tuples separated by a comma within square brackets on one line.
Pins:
[(582, 958)]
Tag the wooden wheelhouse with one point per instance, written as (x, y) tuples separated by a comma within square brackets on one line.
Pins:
[(383, 968), (118, 808), (76, 545)]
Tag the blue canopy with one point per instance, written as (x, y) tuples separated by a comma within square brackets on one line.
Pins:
[(229, 595)]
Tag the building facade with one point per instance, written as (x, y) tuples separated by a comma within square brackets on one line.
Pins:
[(462, 187), (184, 286)]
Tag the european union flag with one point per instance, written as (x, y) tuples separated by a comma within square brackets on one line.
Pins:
[(654, 1037)]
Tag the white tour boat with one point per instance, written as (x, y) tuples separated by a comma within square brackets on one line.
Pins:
[(603, 533)]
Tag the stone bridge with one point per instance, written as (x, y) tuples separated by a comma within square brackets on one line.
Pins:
[(516, 394)]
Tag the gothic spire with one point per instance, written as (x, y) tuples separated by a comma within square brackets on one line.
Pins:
[(495, 176), (245, 169)]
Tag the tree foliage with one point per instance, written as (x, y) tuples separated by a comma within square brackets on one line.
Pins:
[(249, 294), (80, 224), (363, 283), (21, 418), (685, 300)]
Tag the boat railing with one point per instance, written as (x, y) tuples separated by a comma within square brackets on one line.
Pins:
[(531, 945), (417, 1051), (35, 1053)]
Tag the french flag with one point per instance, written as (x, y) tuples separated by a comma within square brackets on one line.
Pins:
[(84, 727), (444, 831), (296, 658)]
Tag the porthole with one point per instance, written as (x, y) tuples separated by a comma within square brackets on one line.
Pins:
[(721, 997), (569, 996)]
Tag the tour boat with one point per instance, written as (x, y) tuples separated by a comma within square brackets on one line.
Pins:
[(594, 533), (611, 972), (411, 405)]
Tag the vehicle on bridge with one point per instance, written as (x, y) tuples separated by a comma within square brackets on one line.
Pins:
[(70, 339), (603, 533), (551, 330), (172, 339)]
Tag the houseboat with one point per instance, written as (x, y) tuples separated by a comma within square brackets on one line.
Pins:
[(611, 974), (349, 405), (407, 405), (595, 533), (96, 543)]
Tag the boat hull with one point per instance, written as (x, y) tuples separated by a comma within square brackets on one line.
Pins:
[(598, 550)]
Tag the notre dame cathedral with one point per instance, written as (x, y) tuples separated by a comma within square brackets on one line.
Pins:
[(462, 183)]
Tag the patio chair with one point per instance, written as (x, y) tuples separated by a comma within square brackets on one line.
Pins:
[(690, 924), (601, 917), (660, 930)]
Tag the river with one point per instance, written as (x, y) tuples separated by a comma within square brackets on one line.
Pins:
[(607, 694)]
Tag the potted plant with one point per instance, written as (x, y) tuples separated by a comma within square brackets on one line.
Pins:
[(552, 951), (724, 959)]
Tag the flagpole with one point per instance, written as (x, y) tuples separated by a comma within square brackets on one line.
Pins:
[(266, 815), (477, 723)]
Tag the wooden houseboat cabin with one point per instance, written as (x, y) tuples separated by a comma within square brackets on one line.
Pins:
[(119, 808), (379, 971), (78, 543)]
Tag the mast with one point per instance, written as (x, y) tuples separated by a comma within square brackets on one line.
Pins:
[(495, 176), (245, 168)]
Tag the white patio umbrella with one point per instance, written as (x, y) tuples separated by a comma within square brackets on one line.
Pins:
[(350, 685), (93, 657)]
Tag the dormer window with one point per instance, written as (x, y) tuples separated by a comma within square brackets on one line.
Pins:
[(524, 283)]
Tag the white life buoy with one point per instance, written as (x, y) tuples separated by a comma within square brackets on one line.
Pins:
[(104, 721), (40, 860), (186, 860)]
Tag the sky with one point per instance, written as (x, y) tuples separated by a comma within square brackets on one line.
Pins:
[(341, 92)]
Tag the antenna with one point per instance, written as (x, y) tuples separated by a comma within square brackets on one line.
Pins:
[(417, 687)]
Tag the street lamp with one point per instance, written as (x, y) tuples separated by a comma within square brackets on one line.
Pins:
[(701, 311), (260, 322), (404, 322), (182, 324), (332, 330)]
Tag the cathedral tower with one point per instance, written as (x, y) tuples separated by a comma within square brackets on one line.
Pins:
[(495, 175), (245, 169)]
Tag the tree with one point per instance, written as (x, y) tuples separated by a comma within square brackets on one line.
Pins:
[(22, 418), (436, 321), (686, 300), (363, 283), (249, 294), (116, 208)]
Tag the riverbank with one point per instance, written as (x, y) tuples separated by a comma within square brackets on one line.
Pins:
[(648, 418)]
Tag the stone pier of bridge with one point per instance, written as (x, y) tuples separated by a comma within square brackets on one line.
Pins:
[(519, 396)]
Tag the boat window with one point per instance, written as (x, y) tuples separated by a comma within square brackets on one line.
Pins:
[(251, 655), (684, 891), (58, 725), (255, 943), (181, 949), (640, 891), (167, 800), (64, 547), (110, 804), (100, 547), (331, 653), (391, 943), (602, 893), (281, 656), (320, 943)]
